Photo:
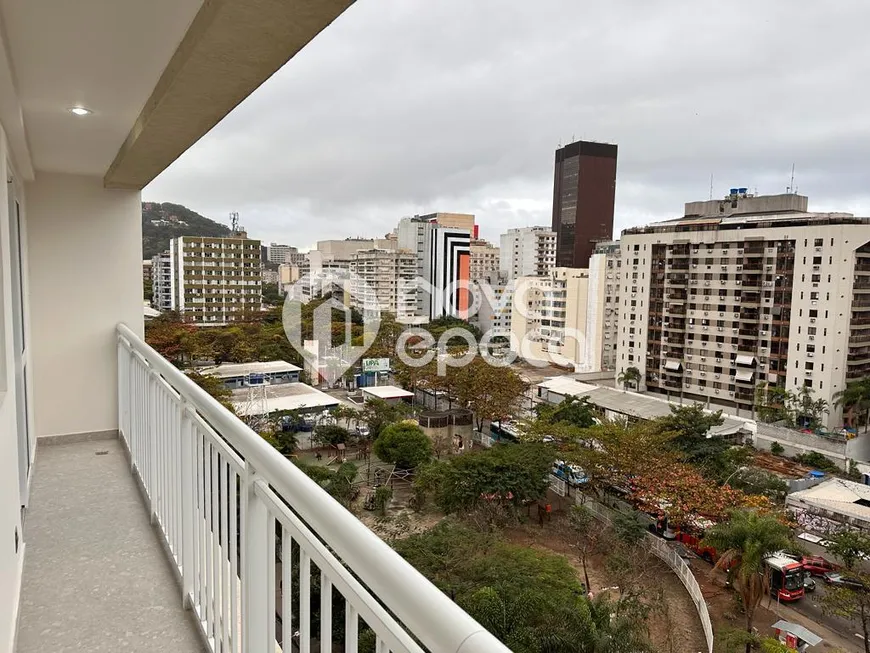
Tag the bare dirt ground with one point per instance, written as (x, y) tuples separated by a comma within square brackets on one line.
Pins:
[(673, 621)]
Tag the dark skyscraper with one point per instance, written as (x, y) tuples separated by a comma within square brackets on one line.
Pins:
[(584, 188)]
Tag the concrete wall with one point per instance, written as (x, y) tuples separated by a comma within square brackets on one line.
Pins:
[(11, 557), (795, 443), (85, 245)]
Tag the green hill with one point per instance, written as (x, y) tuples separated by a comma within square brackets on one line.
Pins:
[(162, 222)]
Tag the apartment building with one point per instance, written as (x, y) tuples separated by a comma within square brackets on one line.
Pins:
[(602, 309), (584, 192), (484, 261), (278, 254), (385, 279), (443, 256), (548, 316), (493, 314), (212, 281), (744, 290), (162, 282), (528, 252)]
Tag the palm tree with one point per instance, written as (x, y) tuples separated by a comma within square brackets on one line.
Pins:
[(855, 397), (629, 375), (743, 543)]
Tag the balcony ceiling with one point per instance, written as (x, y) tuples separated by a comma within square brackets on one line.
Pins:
[(157, 74), (106, 55)]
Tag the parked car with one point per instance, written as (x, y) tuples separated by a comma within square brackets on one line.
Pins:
[(817, 565), (836, 578), (362, 431)]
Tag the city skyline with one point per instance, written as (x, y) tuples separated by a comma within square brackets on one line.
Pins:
[(402, 144)]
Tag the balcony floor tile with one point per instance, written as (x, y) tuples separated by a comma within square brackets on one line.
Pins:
[(96, 577)]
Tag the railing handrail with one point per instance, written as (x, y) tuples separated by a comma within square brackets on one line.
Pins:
[(439, 623)]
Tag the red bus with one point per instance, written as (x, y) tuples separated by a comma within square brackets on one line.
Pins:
[(786, 577)]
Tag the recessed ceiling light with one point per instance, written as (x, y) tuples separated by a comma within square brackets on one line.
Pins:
[(80, 111)]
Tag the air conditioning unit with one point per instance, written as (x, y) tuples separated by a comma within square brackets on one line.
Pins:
[(810, 354), (720, 329), (694, 265), (717, 391), (724, 282), (739, 251), (724, 268), (768, 268), (703, 374), (705, 328), (721, 314), (717, 376), (764, 333), (731, 393), (808, 372), (817, 267), (812, 320), (740, 268), (718, 360), (738, 282), (737, 316), (706, 312), (812, 337)]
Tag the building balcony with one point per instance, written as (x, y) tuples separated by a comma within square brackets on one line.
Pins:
[(179, 534)]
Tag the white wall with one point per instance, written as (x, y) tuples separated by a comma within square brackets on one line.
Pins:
[(10, 496), (85, 249)]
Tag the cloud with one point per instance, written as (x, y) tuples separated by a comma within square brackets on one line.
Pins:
[(413, 106)]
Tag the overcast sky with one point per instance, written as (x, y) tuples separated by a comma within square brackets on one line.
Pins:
[(415, 106)]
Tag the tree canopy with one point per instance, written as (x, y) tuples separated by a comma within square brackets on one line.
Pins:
[(403, 444), (506, 474), (529, 599)]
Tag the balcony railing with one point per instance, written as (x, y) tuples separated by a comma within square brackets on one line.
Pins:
[(231, 510)]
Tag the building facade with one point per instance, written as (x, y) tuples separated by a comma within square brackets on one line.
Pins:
[(162, 282), (602, 310), (443, 256), (528, 252), (384, 278), (548, 316), (211, 280), (279, 254), (746, 291), (584, 190), (484, 260)]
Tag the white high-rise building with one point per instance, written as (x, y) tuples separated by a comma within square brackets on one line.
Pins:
[(602, 310), (528, 252), (280, 254), (743, 291), (384, 278)]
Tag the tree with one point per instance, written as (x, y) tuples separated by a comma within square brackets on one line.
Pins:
[(855, 398), (630, 375), (491, 393), (403, 444), (852, 547), (215, 387), (571, 410), (587, 532), (506, 475), (377, 414), (529, 599), (745, 541), (331, 435), (691, 423)]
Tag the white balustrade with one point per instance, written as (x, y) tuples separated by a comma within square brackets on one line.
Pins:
[(256, 542)]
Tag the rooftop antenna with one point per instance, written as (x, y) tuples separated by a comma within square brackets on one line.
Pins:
[(234, 222), (711, 185), (791, 188)]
